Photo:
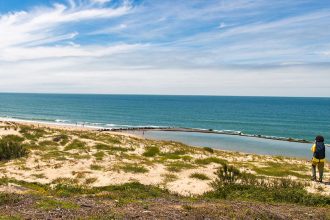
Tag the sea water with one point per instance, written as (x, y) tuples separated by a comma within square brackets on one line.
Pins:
[(299, 118)]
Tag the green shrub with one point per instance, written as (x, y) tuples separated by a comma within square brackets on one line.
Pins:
[(179, 166), (75, 144), (133, 168), (6, 199), (11, 150), (96, 167), (32, 133), (12, 138), (199, 176), (151, 151), (232, 184), (133, 191), (99, 155), (63, 139), (209, 160), (110, 147), (208, 149), (51, 204)]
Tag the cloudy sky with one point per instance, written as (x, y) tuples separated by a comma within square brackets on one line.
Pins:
[(205, 47)]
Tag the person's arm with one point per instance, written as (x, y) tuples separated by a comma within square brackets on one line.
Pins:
[(313, 148)]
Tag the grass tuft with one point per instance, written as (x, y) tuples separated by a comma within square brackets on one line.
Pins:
[(208, 149), (11, 150), (233, 184), (210, 160), (151, 151), (76, 145), (199, 176), (51, 204), (179, 166), (133, 168)]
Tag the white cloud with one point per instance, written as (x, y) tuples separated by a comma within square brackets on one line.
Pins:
[(100, 1), (27, 34), (157, 48)]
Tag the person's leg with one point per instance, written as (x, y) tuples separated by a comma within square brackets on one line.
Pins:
[(320, 167), (313, 171)]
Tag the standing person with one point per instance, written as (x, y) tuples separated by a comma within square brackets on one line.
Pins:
[(318, 150)]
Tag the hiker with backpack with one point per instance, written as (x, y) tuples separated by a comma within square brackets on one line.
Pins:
[(318, 160)]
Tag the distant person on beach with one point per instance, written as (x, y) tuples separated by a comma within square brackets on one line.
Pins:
[(318, 160)]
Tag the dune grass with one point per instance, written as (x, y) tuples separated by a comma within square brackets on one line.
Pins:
[(133, 168), (76, 145), (282, 170), (51, 204), (151, 151), (11, 150), (178, 166), (199, 176), (233, 184), (210, 160)]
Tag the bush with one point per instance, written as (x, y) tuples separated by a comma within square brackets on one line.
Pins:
[(233, 184), (151, 151), (63, 139), (208, 149), (209, 160), (199, 176), (75, 145), (11, 150), (6, 199), (134, 168)]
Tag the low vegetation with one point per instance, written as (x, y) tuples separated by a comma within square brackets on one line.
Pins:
[(199, 176), (81, 162), (233, 184), (151, 151), (11, 149), (133, 168)]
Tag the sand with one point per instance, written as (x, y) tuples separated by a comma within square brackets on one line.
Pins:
[(35, 168)]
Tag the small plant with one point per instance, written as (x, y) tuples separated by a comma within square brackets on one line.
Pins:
[(39, 176), (99, 155), (199, 176), (96, 167), (209, 160), (102, 146), (179, 166), (6, 199), (12, 138), (169, 177), (233, 184), (63, 139), (90, 180), (11, 150), (187, 207), (75, 144), (151, 151), (133, 168), (32, 133), (208, 149), (50, 204)]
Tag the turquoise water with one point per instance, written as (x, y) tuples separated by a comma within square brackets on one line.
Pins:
[(235, 143), (301, 118)]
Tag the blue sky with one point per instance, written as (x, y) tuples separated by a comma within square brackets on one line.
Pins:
[(207, 47)]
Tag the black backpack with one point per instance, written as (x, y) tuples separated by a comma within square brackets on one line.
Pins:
[(320, 150)]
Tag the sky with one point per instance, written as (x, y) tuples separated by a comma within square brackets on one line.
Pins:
[(183, 47)]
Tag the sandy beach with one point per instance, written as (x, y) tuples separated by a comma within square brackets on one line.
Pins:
[(52, 163)]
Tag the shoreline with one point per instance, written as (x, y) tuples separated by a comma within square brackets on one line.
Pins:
[(80, 126), (210, 131)]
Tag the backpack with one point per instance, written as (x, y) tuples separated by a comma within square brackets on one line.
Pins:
[(320, 150)]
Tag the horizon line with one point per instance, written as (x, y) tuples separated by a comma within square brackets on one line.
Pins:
[(155, 94)]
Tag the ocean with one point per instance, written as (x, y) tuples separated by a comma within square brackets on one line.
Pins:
[(298, 118)]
